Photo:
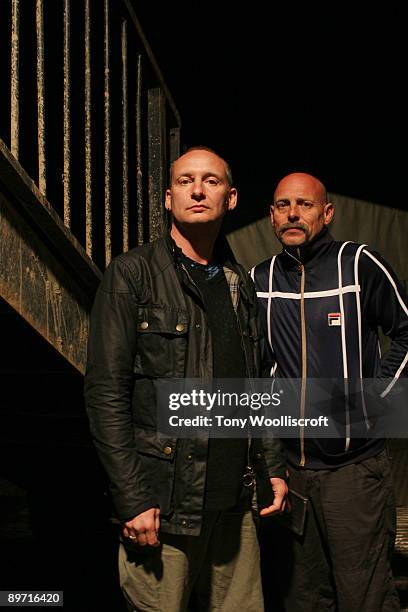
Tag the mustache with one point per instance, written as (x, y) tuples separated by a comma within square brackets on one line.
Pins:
[(288, 226)]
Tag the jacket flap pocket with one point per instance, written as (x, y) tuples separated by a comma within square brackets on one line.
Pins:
[(149, 443), (162, 320)]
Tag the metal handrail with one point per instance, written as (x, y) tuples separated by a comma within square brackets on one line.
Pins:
[(114, 125)]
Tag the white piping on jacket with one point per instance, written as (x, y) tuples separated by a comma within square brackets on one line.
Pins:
[(360, 351), (404, 308), (343, 345), (309, 294)]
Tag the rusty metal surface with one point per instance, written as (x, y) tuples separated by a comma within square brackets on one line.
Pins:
[(67, 113), (139, 166), (42, 169), (15, 78), (125, 137), (92, 79), (37, 286), (24, 196), (107, 136), (88, 132), (157, 161)]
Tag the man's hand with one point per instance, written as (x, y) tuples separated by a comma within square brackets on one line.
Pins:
[(144, 528), (280, 490)]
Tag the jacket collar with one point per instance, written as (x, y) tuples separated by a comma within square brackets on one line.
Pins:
[(308, 252), (222, 252), (225, 257)]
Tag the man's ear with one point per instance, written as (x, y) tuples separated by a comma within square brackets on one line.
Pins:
[(232, 198), (328, 213), (167, 201)]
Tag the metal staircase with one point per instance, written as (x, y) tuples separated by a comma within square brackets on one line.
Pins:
[(89, 130)]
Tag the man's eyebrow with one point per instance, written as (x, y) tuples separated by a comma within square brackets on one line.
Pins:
[(204, 175)]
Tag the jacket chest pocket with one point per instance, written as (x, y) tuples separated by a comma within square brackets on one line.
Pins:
[(162, 342)]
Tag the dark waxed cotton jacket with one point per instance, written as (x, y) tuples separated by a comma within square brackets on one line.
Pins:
[(148, 322)]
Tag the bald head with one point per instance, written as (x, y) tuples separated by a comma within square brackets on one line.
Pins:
[(300, 208), (227, 167), (302, 181)]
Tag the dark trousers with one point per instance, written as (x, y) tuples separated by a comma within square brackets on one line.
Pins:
[(343, 560)]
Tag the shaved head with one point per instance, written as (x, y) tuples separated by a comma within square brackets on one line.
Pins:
[(306, 181), (209, 150), (300, 209)]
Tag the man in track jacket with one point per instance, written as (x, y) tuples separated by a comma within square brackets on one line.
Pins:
[(179, 308), (321, 304)]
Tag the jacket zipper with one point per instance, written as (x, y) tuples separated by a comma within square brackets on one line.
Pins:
[(304, 362)]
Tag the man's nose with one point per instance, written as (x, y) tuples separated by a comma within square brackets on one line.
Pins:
[(198, 192), (293, 212)]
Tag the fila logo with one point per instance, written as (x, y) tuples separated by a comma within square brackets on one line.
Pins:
[(334, 319)]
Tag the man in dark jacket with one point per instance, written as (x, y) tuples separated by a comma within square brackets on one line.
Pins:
[(178, 308), (322, 303)]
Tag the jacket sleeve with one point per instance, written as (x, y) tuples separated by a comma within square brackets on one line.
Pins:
[(384, 305), (112, 347), (274, 455), (269, 451)]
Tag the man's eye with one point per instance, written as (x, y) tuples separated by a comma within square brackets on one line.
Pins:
[(307, 204), (184, 181), (281, 205), (212, 181)]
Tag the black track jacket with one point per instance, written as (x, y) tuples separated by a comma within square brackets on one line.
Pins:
[(345, 293)]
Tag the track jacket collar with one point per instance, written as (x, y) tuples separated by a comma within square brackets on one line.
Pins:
[(308, 252)]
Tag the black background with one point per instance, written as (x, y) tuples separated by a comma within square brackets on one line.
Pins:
[(276, 88)]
